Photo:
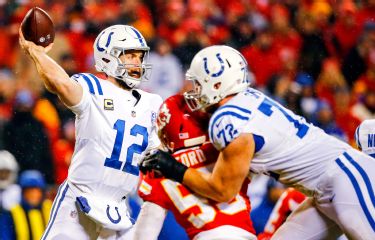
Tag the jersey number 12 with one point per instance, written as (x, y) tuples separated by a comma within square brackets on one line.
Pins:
[(114, 160)]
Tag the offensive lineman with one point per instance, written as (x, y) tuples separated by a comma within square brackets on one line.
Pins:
[(115, 127), (253, 132), (184, 134)]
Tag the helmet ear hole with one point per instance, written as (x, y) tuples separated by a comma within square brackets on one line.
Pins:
[(105, 60), (217, 85)]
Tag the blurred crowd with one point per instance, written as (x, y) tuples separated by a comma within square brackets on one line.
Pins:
[(317, 57)]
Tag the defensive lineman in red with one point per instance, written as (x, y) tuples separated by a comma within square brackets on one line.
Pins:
[(185, 135)]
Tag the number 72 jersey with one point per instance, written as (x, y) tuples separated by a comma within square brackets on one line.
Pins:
[(286, 146)]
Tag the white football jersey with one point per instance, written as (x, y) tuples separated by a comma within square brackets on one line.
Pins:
[(286, 146), (114, 130)]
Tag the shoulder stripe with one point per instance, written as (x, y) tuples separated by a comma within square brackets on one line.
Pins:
[(89, 83), (236, 107), (223, 114), (97, 82)]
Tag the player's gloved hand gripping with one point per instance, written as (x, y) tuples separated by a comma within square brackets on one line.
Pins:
[(164, 163)]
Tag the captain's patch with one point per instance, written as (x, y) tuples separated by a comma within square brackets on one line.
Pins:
[(108, 104)]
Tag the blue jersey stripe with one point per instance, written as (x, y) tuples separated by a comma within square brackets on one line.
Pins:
[(236, 107), (89, 83), (224, 114), (139, 36), (358, 192), (97, 82), (364, 176), (55, 213)]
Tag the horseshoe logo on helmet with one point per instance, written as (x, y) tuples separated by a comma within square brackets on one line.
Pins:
[(115, 221), (100, 49), (221, 67)]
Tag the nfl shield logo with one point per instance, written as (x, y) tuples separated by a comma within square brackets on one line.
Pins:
[(134, 114)]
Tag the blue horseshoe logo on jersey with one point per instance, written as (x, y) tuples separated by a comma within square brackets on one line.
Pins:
[(221, 67), (108, 41), (115, 221)]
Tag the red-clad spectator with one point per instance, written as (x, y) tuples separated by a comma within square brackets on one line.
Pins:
[(6, 55), (77, 39), (263, 57), (367, 12), (284, 35), (173, 16), (346, 29), (344, 119)]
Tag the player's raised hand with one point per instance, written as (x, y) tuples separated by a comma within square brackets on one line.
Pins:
[(165, 163), (28, 46)]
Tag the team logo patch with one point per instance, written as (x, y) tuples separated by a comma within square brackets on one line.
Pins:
[(108, 104), (164, 116)]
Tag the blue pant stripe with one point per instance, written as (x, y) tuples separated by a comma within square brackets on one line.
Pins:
[(55, 213), (97, 82), (358, 192), (54, 202), (364, 176)]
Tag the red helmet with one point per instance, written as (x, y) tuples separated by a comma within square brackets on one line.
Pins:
[(178, 126)]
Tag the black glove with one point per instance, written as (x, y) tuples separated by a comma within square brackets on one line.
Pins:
[(165, 163)]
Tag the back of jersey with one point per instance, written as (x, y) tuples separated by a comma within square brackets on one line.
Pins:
[(114, 129), (286, 146)]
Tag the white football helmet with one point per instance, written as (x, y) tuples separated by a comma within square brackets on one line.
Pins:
[(216, 72), (9, 163), (111, 43)]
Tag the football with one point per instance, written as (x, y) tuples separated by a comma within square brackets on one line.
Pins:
[(37, 26)]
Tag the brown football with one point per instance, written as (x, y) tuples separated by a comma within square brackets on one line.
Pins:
[(37, 27)]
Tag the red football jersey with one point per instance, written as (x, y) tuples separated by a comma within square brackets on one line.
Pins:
[(194, 213)]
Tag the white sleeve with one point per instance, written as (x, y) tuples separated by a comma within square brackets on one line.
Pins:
[(85, 82), (149, 222)]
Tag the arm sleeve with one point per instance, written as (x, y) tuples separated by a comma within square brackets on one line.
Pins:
[(150, 221)]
